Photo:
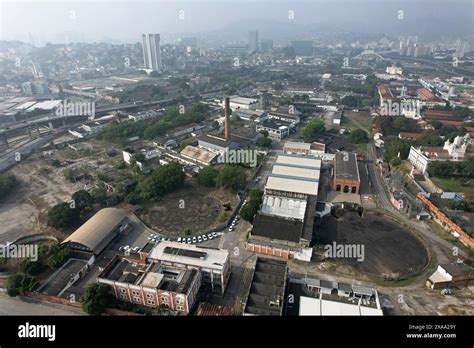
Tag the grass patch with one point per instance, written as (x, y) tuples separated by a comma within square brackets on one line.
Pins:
[(352, 120), (361, 149), (450, 184)]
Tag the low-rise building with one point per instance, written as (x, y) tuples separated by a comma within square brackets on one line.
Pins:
[(267, 291), (152, 284), (277, 130), (346, 173), (446, 275), (317, 297), (99, 231), (306, 149), (199, 155), (457, 150), (214, 264), (237, 102)]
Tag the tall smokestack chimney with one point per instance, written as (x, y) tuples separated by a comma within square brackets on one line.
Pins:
[(227, 119)]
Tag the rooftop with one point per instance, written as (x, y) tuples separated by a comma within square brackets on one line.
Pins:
[(267, 290), (346, 166), (275, 227), (198, 154), (192, 255)]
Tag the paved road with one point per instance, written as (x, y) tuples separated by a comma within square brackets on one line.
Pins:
[(383, 201), (22, 306)]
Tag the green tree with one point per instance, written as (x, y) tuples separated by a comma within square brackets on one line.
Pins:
[(264, 142), (30, 267), (207, 176), (62, 216), (312, 128), (358, 136), (187, 232), (19, 283), (163, 179), (99, 193), (96, 298), (249, 210), (82, 199), (231, 178), (7, 183), (58, 254), (396, 161)]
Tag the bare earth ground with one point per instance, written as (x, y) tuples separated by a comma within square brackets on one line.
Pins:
[(24, 211), (390, 250), (194, 207)]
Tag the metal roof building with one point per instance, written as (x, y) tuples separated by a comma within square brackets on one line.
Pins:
[(294, 174), (97, 232)]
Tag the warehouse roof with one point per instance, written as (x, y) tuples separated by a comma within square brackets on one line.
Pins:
[(99, 230), (346, 166), (198, 154)]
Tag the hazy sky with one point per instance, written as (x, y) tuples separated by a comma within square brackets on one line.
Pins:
[(125, 20)]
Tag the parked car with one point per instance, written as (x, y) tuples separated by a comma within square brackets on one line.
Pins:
[(189, 240), (204, 237), (179, 239), (210, 236), (214, 234), (194, 240), (199, 239), (121, 248), (231, 228)]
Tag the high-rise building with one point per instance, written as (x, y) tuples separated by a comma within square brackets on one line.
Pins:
[(253, 41), (151, 51), (302, 47)]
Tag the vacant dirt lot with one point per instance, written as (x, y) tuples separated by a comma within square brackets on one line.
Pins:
[(390, 250), (24, 211), (193, 207)]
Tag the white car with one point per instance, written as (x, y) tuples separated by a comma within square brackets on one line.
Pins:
[(214, 234), (135, 249), (179, 239), (231, 228), (210, 236), (204, 237), (199, 239), (194, 240), (189, 240), (122, 248)]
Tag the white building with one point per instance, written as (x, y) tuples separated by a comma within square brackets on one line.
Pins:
[(277, 130), (237, 102), (214, 264), (394, 70), (151, 51), (457, 150)]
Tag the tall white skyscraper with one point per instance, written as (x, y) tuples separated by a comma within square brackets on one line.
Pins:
[(253, 41), (151, 51)]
